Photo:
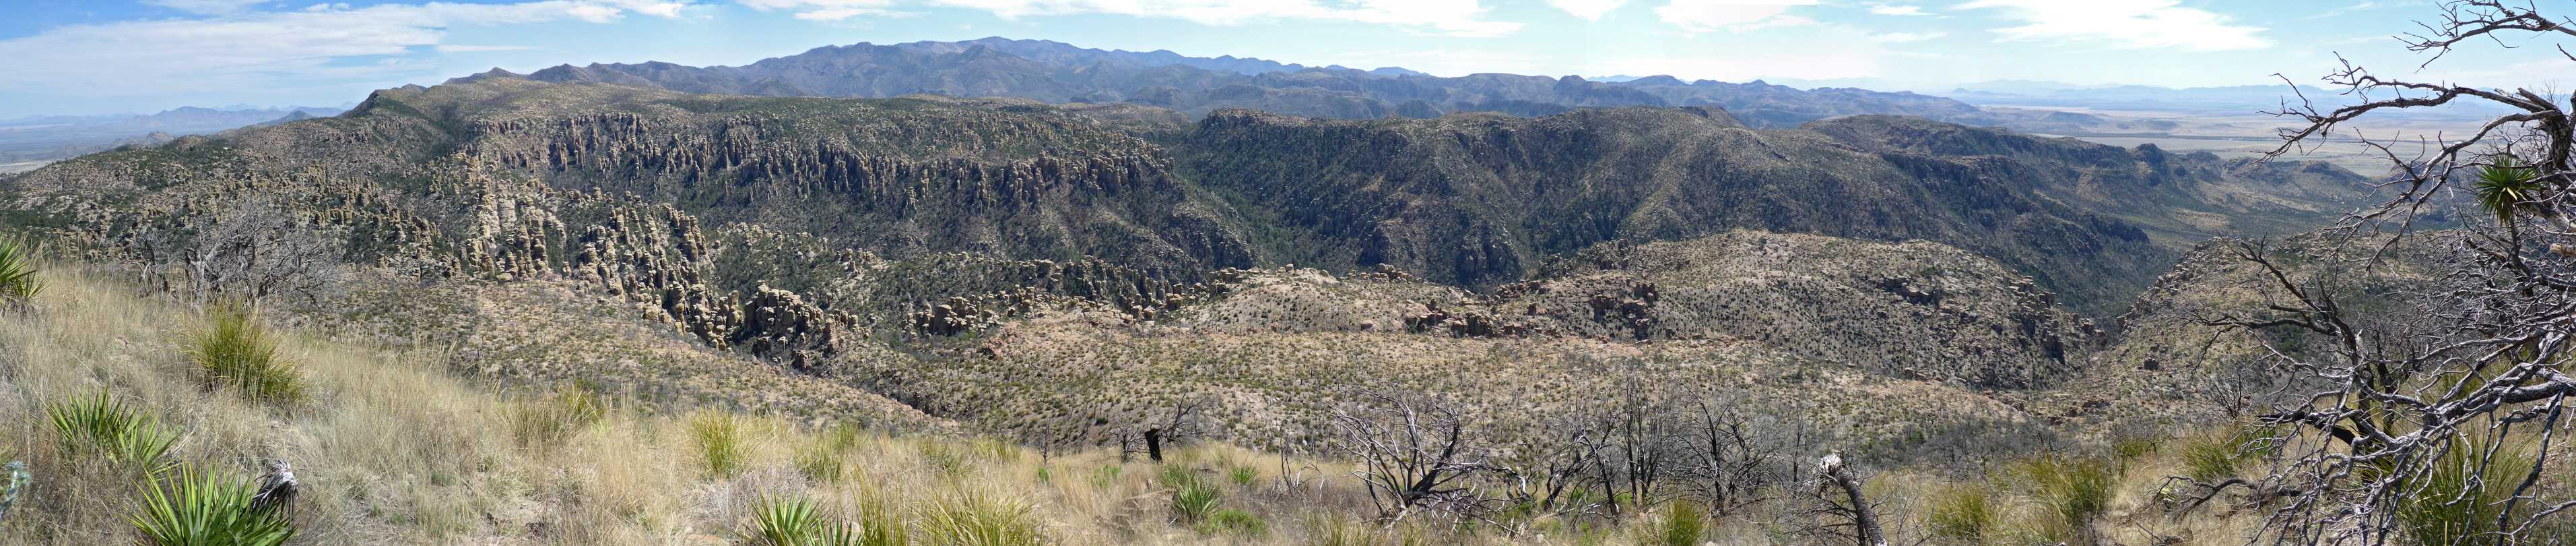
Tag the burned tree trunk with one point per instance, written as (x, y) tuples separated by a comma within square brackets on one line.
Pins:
[(1864, 520)]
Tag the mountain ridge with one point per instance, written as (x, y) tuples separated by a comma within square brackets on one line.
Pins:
[(1054, 72)]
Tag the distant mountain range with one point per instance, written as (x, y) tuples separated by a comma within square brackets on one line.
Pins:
[(1055, 72), (32, 140)]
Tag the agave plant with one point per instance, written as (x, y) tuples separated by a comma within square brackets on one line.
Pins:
[(18, 282), (2506, 184)]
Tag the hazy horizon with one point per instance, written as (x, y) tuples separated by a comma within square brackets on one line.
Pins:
[(81, 58)]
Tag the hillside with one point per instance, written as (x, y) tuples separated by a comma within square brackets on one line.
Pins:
[(1480, 199), (539, 174), (978, 283)]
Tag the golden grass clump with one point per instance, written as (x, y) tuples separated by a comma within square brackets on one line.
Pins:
[(1963, 513), (971, 516), (235, 350), (721, 442), (556, 417)]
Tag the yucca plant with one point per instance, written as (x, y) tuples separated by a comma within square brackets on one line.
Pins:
[(233, 350), (2506, 185), (101, 424), (200, 508), (18, 284), (797, 522)]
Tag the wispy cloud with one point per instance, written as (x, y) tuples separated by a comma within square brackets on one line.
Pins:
[(1736, 15), (1903, 37), (1884, 9), (2366, 6), (1589, 10), (2124, 23), (1451, 17), (269, 50)]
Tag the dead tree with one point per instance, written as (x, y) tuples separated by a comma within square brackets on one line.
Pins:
[(1573, 445), (1838, 478), (1414, 456), (2395, 403), (256, 251), (1736, 455), (1182, 424)]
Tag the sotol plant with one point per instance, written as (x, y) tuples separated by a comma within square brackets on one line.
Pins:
[(202, 508)]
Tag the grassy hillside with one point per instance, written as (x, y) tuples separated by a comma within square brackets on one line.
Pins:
[(405, 446)]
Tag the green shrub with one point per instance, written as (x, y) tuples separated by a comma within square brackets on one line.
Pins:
[(974, 518), (1682, 525), (1234, 521), (1963, 513), (234, 350), (18, 284), (199, 508), (796, 523), (721, 448), (101, 424), (2451, 504), (1245, 475), (556, 417)]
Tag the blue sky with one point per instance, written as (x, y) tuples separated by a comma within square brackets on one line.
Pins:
[(92, 57)]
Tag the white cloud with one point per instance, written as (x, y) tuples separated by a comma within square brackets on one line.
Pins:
[(1590, 10), (1773, 21), (1903, 37), (1737, 15), (1898, 10), (266, 50), (1450, 17), (2124, 23)]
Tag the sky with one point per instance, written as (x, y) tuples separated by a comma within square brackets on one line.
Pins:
[(81, 57)]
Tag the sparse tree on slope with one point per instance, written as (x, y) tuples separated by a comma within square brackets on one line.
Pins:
[(2437, 429)]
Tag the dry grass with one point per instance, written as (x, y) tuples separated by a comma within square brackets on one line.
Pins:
[(393, 448)]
